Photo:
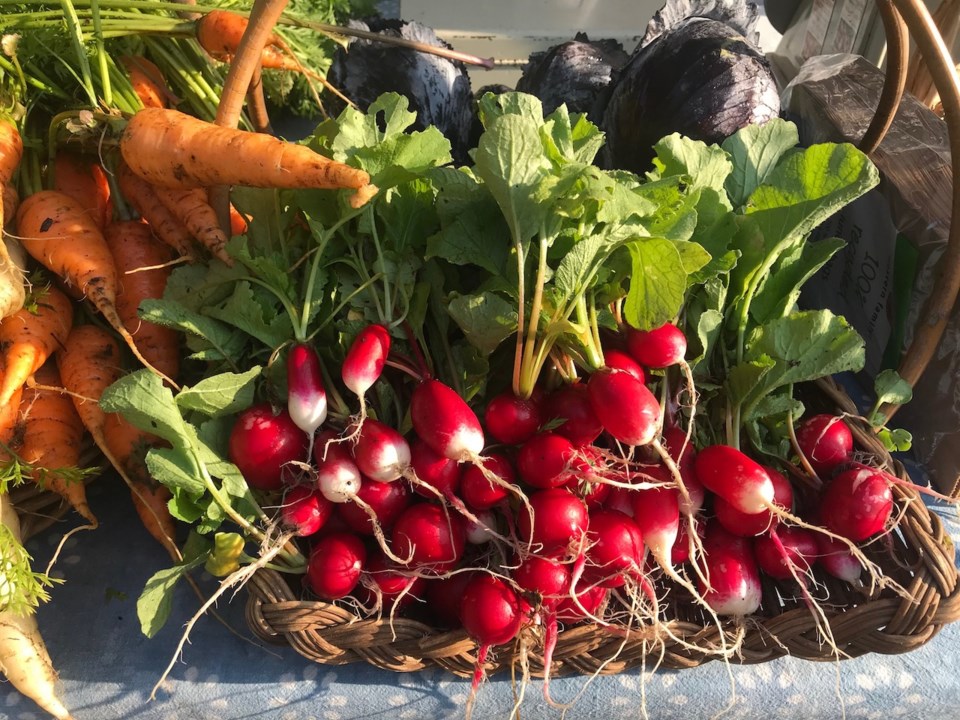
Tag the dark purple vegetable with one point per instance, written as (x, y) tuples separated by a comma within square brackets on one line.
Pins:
[(696, 72), (438, 89), (573, 72)]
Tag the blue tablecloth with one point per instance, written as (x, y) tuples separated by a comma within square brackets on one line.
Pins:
[(108, 668)]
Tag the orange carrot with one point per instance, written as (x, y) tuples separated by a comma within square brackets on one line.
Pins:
[(238, 222), (55, 231), (89, 363), (133, 246), (169, 149), (12, 293), (85, 182), (143, 197), (8, 422), (129, 446), (52, 436), (10, 201), (219, 33), (191, 208), (28, 338), (147, 81)]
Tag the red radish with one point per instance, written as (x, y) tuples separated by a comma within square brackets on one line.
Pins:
[(857, 503), (547, 577), (750, 525), (432, 539), (559, 520), (570, 410), (836, 559), (490, 610), (510, 419), (616, 360), (306, 397), (615, 551), (335, 565), (491, 614), (391, 583), (619, 499), (381, 453), (785, 548), (591, 599), (544, 461), (656, 513), (386, 500), (826, 441), (444, 597), (681, 548), (365, 359), (445, 422), (626, 408), (305, 510), (262, 444), (735, 588), (479, 533), (478, 491), (659, 348), (338, 479), (439, 472), (329, 446), (736, 478), (595, 494)]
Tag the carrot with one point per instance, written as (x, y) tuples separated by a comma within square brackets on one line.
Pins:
[(133, 246), (147, 81), (170, 149), (10, 201), (191, 208), (8, 423), (129, 445), (12, 293), (143, 197), (28, 338), (89, 363), (52, 436), (238, 222), (56, 232), (85, 182), (219, 33), (23, 655)]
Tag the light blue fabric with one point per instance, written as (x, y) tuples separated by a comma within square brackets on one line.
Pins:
[(107, 667)]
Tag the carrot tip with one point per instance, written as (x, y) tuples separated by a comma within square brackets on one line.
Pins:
[(363, 195)]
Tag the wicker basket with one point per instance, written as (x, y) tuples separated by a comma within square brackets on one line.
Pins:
[(919, 555)]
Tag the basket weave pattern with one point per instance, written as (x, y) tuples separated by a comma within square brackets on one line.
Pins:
[(919, 555)]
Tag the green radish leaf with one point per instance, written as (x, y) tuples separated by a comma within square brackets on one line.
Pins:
[(223, 394), (755, 151), (156, 600), (510, 160), (706, 166), (492, 107), (218, 336), (778, 294), (775, 405), (675, 217), (891, 388), (657, 283), (896, 439), (184, 507), (485, 319), (143, 399), (176, 470), (570, 138), (256, 312)]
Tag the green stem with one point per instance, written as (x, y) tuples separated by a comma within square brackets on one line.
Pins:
[(387, 317), (32, 79), (528, 372), (343, 303), (76, 37), (102, 55), (301, 332)]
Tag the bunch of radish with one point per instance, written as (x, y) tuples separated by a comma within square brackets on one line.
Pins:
[(581, 503)]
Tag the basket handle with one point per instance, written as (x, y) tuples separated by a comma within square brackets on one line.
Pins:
[(914, 15)]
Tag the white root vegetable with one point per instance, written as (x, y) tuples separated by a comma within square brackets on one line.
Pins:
[(23, 655), (12, 291)]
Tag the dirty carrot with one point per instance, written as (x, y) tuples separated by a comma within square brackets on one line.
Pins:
[(147, 81), (56, 231), (52, 437), (143, 197), (12, 293), (85, 182), (191, 208), (28, 338), (129, 446), (134, 247), (170, 149)]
